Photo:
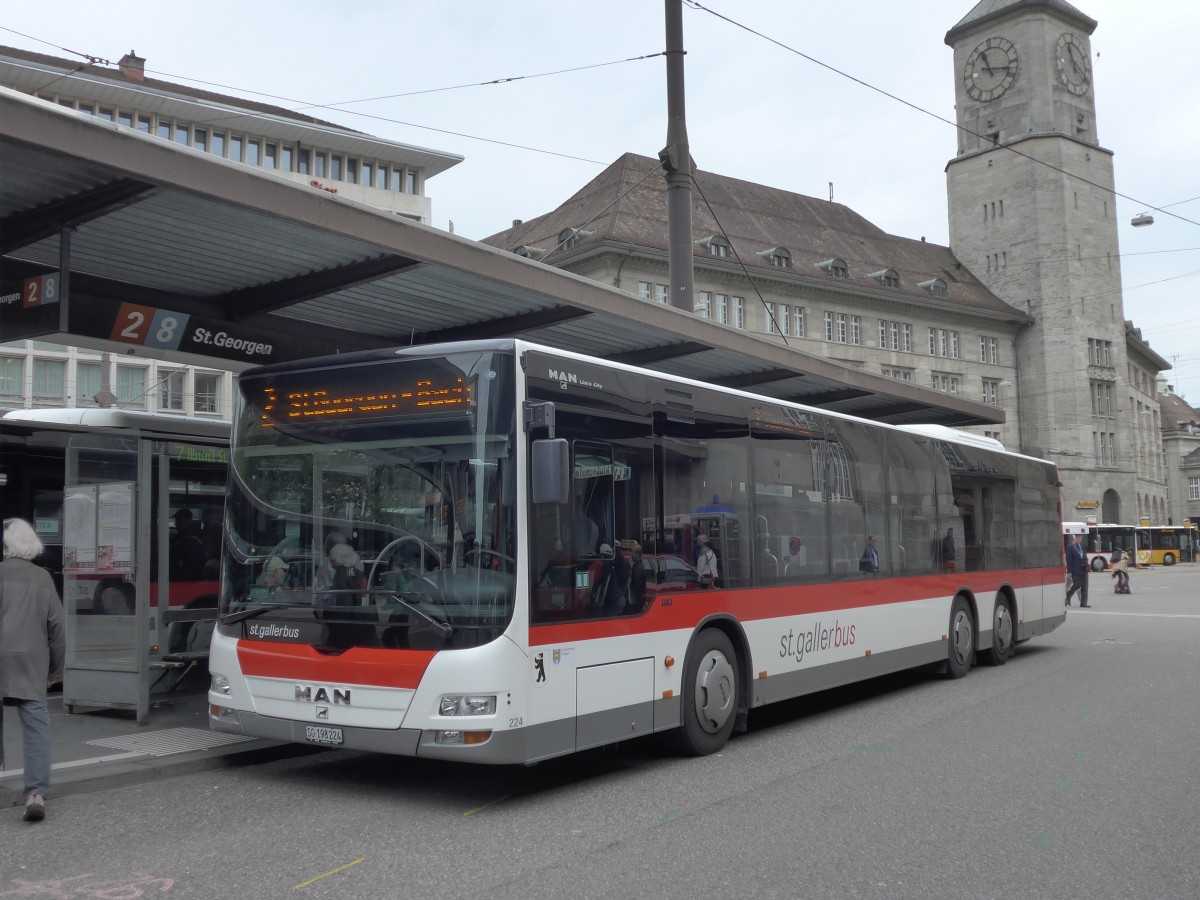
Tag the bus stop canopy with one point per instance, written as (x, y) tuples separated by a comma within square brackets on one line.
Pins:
[(119, 241)]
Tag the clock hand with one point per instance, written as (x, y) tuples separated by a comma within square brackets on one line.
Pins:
[(983, 59)]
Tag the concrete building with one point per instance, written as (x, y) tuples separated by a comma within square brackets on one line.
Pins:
[(1181, 456), (1023, 311), (325, 157)]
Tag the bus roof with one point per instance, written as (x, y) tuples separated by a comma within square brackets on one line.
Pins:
[(120, 420)]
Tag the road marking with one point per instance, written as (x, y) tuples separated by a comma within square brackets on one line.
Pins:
[(95, 760), (1097, 612), (490, 803), (305, 884)]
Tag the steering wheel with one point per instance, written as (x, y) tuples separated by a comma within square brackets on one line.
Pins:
[(422, 546), (510, 564)]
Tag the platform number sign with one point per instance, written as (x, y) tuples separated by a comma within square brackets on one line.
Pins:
[(149, 327), (40, 291)]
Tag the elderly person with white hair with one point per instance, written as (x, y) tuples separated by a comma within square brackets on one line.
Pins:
[(32, 651)]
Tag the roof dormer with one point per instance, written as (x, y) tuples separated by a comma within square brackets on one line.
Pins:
[(888, 277), (935, 286), (777, 256), (716, 245), (836, 267)]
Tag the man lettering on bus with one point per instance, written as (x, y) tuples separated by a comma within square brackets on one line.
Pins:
[(1077, 568)]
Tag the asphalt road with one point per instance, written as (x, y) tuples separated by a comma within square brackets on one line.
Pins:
[(1070, 772)]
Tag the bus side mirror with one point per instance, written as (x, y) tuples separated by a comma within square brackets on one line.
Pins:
[(551, 471)]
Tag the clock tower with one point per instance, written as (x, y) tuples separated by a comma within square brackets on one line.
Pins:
[(1033, 215)]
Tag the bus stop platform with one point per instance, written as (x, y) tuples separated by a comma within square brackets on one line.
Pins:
[(101, 749)]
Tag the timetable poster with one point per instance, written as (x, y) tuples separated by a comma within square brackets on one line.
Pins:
[(114, 528), (79, 529)]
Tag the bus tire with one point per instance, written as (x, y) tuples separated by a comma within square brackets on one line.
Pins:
[(113, 597), (960, 653), (1098, 564), (1002, 635), (1168, 559), (710, 694)]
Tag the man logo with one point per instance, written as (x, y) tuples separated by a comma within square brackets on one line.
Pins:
[(306, 694)]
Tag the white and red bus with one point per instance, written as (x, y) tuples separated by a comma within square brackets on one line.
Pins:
[(1100, 539), (428, 553)]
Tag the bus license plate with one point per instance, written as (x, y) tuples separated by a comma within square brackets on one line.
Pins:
[(321, 735)]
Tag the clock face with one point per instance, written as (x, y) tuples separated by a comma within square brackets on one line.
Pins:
[(991, 69), (1074, 67)]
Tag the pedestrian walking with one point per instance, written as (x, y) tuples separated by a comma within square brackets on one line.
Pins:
[(32, 651), (1077, 568)]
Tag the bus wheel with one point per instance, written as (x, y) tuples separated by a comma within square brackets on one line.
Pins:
[(1002, 635), (1098, 564), (710, 694), (113, 598), (962, 639), (1168, 559)]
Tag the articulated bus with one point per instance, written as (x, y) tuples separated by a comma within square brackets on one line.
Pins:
[(1165, 545), (1101, 539), (488, 551)]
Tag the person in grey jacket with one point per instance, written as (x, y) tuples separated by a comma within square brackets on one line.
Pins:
[(32, 651)]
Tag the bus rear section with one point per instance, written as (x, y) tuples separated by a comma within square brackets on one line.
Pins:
[(501, 553)]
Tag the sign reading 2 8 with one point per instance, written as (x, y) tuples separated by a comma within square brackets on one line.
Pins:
[(149, 327)]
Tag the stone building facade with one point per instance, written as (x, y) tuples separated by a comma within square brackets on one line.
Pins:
[(1023, 311)]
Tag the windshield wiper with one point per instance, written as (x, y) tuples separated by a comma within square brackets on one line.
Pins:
[(242, 614), (444, 627)]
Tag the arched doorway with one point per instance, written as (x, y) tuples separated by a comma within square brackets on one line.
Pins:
[(1111, 507)]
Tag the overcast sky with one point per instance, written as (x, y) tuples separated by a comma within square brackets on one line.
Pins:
[(756, 110)]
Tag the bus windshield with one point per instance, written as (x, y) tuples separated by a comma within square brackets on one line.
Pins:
[(372, 506)]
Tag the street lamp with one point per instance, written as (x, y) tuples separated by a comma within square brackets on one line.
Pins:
[(1142, 220)]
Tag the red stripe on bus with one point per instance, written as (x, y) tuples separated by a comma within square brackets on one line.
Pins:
[(671, 612), (361, 665)]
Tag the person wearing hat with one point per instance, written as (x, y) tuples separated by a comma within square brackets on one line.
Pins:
[(706, 562), (274, 574)]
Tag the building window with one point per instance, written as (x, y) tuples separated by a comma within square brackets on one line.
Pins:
[(218, 143), (738, 312), (200, 139), (1102, 398), (164, 129), (989, 350), (704, 304), (1100, 352), (645, 290), (994, 435), (935, 286), (836, 267), (778, 321), (947, 384), (253, 153), (131, 387), (170, 390), (1193, 487), (397, 180), (12, 379), (723, 309), (320, 164), (125, 118), (208, 392), (270, 155), (828, 325), (235, 147), (841, 328), (798, 321), (181, 133), (883, 330), (991, 392), (143, 124), (49, 382), (898, 374), (87, 383), (411, 185), (335, 168), (716, 245), (662, 294), (887, 277), (779, 256), (302, 157), (351, 171), (856, 330), (368, 174)]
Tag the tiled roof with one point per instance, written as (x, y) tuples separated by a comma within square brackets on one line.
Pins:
[(168, 87), (989, 10), (626, 203), (1175, 411)]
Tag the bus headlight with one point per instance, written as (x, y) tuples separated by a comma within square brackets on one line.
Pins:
[(467, 705), (219, 684)]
